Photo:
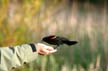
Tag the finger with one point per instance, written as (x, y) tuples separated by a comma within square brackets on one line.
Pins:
[(41, 53), (45, 46), (45, 51), (50, 48), (53, 51)]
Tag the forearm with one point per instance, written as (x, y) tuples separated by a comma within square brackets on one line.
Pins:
[(16, 56)]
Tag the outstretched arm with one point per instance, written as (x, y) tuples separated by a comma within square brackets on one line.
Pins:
[(16, 56)]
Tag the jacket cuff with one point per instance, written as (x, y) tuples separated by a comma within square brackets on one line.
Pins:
[(33, 47), (29, 51)]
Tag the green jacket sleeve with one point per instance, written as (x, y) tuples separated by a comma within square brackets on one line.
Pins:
[(16, 56)]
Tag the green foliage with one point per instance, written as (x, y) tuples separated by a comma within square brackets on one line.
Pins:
[(83, 55)]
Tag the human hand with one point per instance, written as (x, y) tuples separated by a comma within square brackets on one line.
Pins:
[(43, 49)]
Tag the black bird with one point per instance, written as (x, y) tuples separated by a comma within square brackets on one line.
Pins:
[(57, 40)]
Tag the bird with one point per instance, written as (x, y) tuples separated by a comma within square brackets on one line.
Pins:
[(58, 40)]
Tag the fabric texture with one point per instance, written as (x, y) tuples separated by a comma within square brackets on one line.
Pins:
[(12, 57)]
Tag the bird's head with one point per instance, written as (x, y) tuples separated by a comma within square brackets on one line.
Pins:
[(51, 37)]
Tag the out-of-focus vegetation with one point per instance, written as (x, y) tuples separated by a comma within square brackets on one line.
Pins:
[(25, 21)]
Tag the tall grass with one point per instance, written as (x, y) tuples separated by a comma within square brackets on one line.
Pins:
[(85, 21)]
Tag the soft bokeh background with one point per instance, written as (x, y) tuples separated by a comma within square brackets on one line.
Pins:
[(26, 21)]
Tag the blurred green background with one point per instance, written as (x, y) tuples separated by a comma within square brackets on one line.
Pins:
[(26, 21)]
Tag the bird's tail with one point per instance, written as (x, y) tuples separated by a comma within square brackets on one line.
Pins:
[(70, 42)]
